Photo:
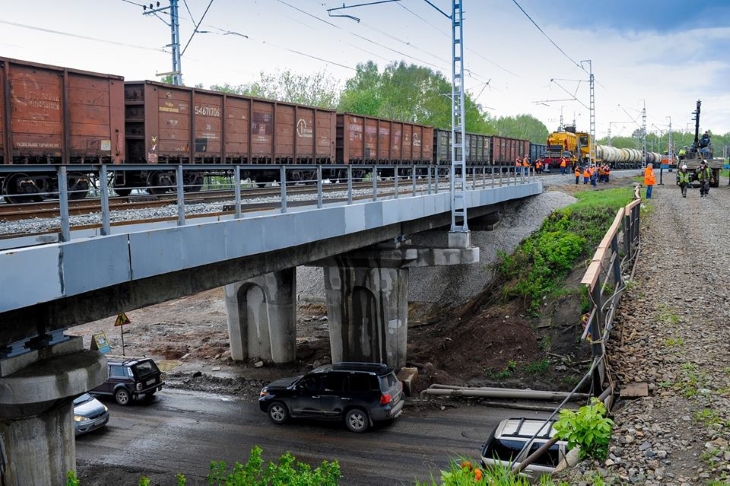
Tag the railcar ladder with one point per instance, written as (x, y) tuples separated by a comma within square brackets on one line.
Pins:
[(458, 125)]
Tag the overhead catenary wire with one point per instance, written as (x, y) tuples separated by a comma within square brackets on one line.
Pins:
[(83, 37)]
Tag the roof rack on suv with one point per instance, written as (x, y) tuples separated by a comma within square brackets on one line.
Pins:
[(357, 366)]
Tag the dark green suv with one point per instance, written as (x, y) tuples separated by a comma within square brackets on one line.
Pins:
[(130, 378), (358, 393)]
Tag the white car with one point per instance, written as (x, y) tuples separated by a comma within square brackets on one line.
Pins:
[(89, 414), (506, 445)]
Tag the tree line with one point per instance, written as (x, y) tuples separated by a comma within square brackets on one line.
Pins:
[(417, 94)]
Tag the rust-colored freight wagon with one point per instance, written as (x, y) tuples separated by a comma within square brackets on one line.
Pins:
[(367, 140), (477, 148), (55, 115), (173, 124), (504, 150)]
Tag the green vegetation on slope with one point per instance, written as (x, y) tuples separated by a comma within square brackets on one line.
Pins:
[(565, 238)]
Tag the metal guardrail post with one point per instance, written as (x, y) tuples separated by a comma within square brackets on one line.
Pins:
[(597, 322), (63, 204), (237, 190), (319, 186), (105, 216), (349, 184), (413, 176), (436, 178), (428, 176), (395, 183), (180, 196), (282, 181), (484, 177), (375, 183), (617, 279)]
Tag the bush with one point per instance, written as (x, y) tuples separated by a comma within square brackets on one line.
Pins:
[(286, 471), (588, 428)]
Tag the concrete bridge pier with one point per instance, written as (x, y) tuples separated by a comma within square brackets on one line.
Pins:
[(367, 310), (367, 298), (262, 317), (37, 388)]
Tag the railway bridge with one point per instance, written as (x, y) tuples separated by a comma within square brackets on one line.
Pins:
[(363, 247)]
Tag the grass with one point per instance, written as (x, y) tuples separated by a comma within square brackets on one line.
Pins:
[(667, 315), (673, 342), (538, 366), (707, 417)]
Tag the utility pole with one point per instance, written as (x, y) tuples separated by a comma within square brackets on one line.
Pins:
[(174, 25), (592, 115), (458, 121), (643, 136)]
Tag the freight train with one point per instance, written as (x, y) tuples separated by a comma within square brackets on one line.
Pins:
[(54, 115)]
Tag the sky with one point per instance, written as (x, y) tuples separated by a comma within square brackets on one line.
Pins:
[(521, 56)]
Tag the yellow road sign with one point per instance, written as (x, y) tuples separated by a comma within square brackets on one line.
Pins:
[(122, 319)]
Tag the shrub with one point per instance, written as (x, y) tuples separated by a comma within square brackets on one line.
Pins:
[(588, 428), (286, 471)]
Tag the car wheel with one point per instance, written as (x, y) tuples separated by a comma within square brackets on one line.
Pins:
[(122, 396), (278, 413), (357, 420)]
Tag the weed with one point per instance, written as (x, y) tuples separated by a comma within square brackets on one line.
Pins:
[(667, 315), (538, 366), (708, 455), (665, 384), (546, 344), (505, 373), (707, 417), (673, 342)]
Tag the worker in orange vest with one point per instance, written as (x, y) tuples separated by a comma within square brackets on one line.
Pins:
[(649, 179), (538, 166), (563, 165), (518, 165), (586, 174), (577, 174), (525, 165)]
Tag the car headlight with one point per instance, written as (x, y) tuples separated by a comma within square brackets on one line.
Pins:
[(79, 418)]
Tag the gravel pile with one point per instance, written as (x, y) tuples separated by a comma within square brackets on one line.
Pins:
[(672, 333)]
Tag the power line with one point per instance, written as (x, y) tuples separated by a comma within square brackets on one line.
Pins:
[(472, 51), (547, 36), (196, 25), (84, 37)]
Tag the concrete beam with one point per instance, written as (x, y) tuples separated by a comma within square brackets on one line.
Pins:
[(135, 294)]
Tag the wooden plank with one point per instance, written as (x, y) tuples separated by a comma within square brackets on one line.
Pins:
[(635, 390), (591, 276)]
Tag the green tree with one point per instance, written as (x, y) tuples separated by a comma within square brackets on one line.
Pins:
[(319, 89), (522, 126), (409, 93)]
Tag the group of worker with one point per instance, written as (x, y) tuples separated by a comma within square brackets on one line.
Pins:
[(592, 174), (704, 176), (522, 163)]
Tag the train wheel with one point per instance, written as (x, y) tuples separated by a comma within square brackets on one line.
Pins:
[(123, 191), (161, 182), (19, 188), (78, 186), (193, 181)]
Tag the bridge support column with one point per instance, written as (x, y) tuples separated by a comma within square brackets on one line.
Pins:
[(37, 389), (262, 317), (367, 298), (367, 310)]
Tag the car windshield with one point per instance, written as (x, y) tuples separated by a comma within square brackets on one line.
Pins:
[(83, 399)]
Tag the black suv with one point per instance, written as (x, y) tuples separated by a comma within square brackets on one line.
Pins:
[(359, 393), (129, 378)]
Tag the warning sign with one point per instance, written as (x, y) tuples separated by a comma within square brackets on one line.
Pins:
[(122, 319), (100, 343)]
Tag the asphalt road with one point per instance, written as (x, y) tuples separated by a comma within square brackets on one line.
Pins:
[(182, 432)]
